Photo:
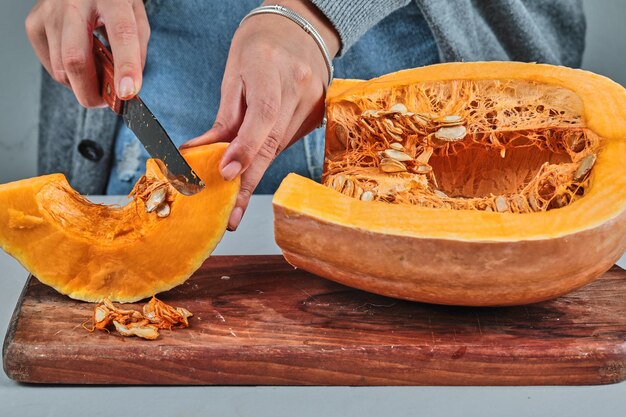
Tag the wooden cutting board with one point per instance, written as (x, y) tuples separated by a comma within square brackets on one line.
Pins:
[(259, 321)]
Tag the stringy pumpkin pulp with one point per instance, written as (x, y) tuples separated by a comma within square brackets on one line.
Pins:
[(496, 145)]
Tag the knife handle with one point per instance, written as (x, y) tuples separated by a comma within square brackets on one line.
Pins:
[(104, 68)]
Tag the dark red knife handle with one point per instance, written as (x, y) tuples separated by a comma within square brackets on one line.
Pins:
[(104, 68)]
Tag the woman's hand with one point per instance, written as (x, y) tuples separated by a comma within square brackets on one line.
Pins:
[(272, 94), (61, 34)]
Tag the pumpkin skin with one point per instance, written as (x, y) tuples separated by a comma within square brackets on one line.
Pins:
[(91, 251), (464, 257)]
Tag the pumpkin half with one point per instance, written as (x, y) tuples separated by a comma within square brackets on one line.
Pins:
[(90, 251), (464, 184)]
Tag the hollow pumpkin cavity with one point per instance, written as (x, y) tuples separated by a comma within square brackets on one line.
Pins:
[(483, 183), (494, 145)]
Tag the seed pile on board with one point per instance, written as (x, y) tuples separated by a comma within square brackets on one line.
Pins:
[(145, 324)]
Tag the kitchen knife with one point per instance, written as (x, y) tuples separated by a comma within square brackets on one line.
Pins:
[(146, 127)]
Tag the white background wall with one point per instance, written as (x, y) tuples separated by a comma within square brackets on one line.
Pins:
[(19, 75)]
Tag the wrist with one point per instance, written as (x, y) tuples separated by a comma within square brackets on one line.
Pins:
[(316, 18)]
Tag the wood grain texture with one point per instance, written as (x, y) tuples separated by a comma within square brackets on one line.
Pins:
[(271, 324)]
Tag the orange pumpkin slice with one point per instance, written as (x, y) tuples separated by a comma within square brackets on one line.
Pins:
[(91, 252)]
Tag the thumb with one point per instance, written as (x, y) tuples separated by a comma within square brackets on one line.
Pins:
[(215, 134)]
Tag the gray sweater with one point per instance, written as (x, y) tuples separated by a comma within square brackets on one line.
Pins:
[(550, 31)]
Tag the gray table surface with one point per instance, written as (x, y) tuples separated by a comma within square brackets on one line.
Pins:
[(255, 236)]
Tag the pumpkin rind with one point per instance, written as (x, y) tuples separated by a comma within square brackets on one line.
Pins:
[(90, 251), (466, 257)]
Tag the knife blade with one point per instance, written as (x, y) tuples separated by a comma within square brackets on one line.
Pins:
[(146, 127)]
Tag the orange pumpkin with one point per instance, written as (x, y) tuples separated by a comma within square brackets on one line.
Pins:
[(467, 184), (90, 251)]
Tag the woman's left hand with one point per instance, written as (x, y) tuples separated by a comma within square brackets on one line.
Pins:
[(272, 94)]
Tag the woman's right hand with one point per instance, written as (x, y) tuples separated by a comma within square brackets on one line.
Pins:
[(60, 32)]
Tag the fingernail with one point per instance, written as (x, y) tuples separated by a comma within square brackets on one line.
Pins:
[(231, 170), (126, 88), (235, 219)]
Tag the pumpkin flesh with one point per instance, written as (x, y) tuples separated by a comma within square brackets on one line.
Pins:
[(457, 249), (91, 251)]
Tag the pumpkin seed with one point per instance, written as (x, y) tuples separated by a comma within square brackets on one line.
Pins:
[(108, 304), (585, 167), (155, 199), (395, 137), (397, 146), (184, 312), (398, 108), (163, 210), (357, 192), (397, 155), (370, 113), (579, 144), (100, 314), (532, 201), (146, 332), (441, 194), (423, 169), (136, 329), (420, 119), (576, 143), (389, 165), (338, 182), (123, 330), (452, 120), (424, 157), (342, 135), (503, 152), (501, 204), (413, 128), (519, 201), (348, 188), (367, 196), (391, 128), (426, 116), (489, 209), (451, 134)]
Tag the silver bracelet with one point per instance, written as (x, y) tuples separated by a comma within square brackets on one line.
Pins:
[(304, 24)]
